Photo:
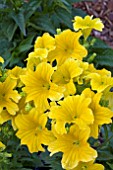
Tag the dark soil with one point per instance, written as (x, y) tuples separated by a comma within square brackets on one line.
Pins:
[(102, 9)]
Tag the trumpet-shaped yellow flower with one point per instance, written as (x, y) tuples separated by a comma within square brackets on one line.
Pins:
[(33, 60), (88, 166), (15, 74), (67, 46), (45, 41), (89, 72), (8, 96), (73, 109), (44, 44), (39, 88), (74, 146), (65, 74), (102, 115), (99, 82), (32, 130), (87, 24), (84, 66)]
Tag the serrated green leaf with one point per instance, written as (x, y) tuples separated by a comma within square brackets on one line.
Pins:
[(20, 21)]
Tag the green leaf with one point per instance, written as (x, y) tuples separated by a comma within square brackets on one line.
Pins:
[(104, 155), (8, 27), (25, 45), (4, 49), (104, 57), (11, 30), (103, 53), (53, 162), (78, 12), (20, 21), (64, 17), (30, 8), (72, 1), (110, 165), (65, 2), (2, 6), (44, 23)]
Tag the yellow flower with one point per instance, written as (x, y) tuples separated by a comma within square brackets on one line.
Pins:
[(102, 115), (100, 82), (15, 74), (2, 146), (46, 42), (33, 60), (1, 60), (32, 130), (84, 66), (74, 146), (65, 74), (67, 46), (73, 109), (108, 96), (39, 88), (4, 116), (88, 166), (8, 96), (87, 24), (24, 108)]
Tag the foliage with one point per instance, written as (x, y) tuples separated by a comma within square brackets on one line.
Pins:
[(38, 116), (103, 53), (22, 21)]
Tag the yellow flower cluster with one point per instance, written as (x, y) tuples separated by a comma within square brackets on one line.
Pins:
[(58, 88)]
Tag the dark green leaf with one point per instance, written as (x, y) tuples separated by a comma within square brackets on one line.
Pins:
[(63, 4), (104, 155), (103, 53), (66, 2), (44, 23), (64, 17), (30, 8), (25, 45), (11, 30), (53, 162), (20, 21), (78, 12), (72, 1), (110, 165)]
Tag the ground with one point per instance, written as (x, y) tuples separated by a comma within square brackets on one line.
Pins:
[(102, 9)]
